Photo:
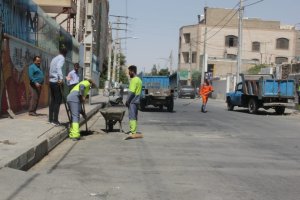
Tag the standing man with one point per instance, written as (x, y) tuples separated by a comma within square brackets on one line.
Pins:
[(132, 102), (77, 97), (73, 77), (55, 82), (36, 77), (204, 92)]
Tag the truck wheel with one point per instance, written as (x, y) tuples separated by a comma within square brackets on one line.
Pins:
[(230, 107), (142, 106), (279, 110), (171, 106), (161, 107), (252, 106)]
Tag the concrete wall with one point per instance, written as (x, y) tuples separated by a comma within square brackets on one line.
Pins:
[(219, 89)]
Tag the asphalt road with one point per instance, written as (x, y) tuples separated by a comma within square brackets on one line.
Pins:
[(219, 155)]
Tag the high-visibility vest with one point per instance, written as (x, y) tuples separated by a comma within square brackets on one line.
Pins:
[(86, 84)]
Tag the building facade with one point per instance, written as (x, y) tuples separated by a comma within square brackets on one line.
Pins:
[(216, 34), (87, 21)]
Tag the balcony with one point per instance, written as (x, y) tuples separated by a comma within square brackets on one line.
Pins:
[(57, 6)]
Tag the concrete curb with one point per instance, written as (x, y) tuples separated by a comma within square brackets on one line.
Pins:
[(26, 159)]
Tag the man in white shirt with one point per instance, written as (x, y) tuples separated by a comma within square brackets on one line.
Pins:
[(55, 82), (73, 77)]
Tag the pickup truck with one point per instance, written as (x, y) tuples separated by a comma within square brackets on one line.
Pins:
[(262, 91), (157, 92)]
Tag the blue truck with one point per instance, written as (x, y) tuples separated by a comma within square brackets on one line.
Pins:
[(157, 92), (262, 91)]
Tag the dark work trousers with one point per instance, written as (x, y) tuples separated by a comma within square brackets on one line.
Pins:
[(55, 101), (34, 98)]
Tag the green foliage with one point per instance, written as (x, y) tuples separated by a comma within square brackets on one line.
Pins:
[(123, 77), (103, 75), (196, 78), (164, 72), (256, 69), (154, 70)]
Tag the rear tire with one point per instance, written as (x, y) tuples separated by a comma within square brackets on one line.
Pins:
[(171, 106), (252, 106), (279, 110), (142, 105), (161, 107), (230, 107)]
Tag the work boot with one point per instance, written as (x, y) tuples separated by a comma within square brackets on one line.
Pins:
[(204, 109), (74, 131)]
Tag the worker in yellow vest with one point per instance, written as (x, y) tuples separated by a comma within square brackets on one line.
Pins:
[(133, 101), (77, 97)]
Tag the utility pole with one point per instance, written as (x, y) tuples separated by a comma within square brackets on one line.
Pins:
[(109, 58), (190, 65), (117, 48), (240, 41), (204, 60), (116, 40)]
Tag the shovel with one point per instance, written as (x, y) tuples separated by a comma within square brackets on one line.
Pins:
[(85, 117), (66, 106)]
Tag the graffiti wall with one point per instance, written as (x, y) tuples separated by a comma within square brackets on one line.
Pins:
[(16, 58), (26, 31)]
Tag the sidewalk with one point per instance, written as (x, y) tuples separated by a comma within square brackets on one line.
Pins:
[(27, 139)]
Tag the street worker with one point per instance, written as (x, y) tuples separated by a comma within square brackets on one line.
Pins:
[(55, 83), (133, 101), (36, 77), (75, 100), (73, 77), (204, 92)]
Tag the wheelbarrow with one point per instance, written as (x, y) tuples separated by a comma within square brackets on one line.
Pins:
[(112, 115)]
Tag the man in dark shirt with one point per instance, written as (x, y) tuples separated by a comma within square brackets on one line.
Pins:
[(36, 77)]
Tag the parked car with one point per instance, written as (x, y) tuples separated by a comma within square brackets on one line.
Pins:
[(187, 91)]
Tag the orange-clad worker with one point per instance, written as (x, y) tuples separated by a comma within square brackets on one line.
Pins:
[(204, 92)]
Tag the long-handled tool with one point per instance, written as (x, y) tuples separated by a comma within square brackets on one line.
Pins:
[(186, 104), (65, 103), (9, 111), (84, 116)]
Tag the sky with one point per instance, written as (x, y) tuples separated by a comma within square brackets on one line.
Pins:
[(153, 25)]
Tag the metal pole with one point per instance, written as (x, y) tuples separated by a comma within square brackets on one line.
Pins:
[(109, 61), (204, 59), (190, 66), (114, 63), (240, 41)]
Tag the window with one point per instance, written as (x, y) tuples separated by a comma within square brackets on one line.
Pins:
[(185, 56), (256, 46), (282, 43), (255, 60), (231, 41), (239, 87), (280, 60), (194, 57), (187, 37), (231, 56)]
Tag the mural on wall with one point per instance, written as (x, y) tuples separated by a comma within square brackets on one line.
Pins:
[(28, 32), (16, 57)]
